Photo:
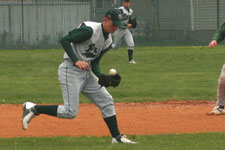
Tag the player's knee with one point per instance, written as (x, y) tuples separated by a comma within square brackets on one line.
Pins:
[(115, 46), (71, 115), (131, 47), (66, 112), (108, 110)]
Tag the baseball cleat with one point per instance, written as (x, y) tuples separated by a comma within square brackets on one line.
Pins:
[(122, 139), (28, 113), (132, 62), (218, 110)]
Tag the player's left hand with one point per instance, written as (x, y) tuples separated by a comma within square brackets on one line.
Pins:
[(109, 80)]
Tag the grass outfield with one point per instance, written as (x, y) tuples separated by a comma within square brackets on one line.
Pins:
[(209, 141), (161, 73)]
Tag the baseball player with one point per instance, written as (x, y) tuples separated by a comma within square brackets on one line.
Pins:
[(84, 47), (219, 108), (124, 32)]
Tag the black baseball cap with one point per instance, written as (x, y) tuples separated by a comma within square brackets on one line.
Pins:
[(116, 16), (126, 0)]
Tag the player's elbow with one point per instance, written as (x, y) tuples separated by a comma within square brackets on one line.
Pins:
[(64, 40)]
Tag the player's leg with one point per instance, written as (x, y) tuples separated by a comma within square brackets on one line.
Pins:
[(104, 101), (117, 37), (101, 97), (70, 83), (219, 108), (130, 43), (72, 79)]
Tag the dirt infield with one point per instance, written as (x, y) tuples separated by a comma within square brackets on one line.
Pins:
[(133, 118)]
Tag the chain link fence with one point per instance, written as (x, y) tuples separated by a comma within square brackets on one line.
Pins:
[(37, 24)]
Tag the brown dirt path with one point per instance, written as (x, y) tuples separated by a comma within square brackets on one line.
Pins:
[(133, 118)]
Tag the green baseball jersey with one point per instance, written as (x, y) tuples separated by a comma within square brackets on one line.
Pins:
[(87, 43), (220, 33)]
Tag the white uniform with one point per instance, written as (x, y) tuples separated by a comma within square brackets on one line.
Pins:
[(124, 32), (74, 80)]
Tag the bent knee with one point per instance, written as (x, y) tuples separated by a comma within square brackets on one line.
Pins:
[(108, 110), (71, 115), (131, 47), (115, 46), (68, 115)]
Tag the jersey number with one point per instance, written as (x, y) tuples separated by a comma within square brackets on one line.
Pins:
[(91, 51)]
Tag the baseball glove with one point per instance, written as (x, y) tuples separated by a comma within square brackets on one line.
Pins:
[(133, 22), (109, 80)]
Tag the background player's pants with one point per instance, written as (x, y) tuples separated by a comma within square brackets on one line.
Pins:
[(119, 35), (221, 88), (75, 81)]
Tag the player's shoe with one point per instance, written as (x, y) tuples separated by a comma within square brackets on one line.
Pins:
[(28, 113), (132, 62), (122, 139), (218, 110)]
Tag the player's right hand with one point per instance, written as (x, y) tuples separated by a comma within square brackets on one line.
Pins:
[(83, 65), (213, 44)]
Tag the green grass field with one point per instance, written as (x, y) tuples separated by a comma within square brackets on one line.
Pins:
[(209, 141), (161, 73)]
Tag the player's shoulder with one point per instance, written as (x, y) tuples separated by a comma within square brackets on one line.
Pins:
[(84, 27), (95, 26), (92, 23), (121, 7)]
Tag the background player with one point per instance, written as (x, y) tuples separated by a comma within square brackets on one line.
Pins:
[(84, 48), (124, 32), (219, 108)]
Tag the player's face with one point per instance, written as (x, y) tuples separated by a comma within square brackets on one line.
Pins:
[(108, 26), (126, 4)]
